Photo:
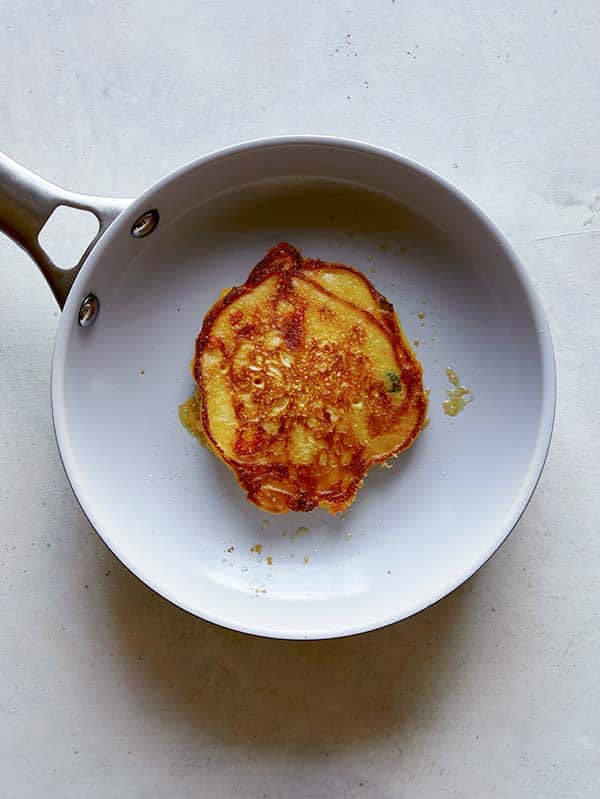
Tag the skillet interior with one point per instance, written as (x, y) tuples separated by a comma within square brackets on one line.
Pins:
[(175, 515)]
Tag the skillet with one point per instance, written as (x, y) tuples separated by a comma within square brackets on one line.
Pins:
[(131, 309)]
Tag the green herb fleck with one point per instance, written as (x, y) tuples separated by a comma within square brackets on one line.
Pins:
[(392, 382)]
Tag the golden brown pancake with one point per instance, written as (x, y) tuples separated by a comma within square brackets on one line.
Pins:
[(305, 380)]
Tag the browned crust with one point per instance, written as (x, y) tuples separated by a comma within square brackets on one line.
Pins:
[(286, 261)]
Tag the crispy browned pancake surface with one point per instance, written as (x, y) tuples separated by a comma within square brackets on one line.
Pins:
[(305, 380)]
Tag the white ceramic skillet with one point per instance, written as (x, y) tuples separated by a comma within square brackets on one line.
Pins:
[(167, 508)]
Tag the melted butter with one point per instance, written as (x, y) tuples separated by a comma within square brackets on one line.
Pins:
[(458, 396)]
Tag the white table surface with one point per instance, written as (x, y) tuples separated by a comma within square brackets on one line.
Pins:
[(106, 689)]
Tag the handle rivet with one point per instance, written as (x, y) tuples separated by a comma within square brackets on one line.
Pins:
[(89, 310), (145, 224)]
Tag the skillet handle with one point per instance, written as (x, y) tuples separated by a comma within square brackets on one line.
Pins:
[(26, 203)]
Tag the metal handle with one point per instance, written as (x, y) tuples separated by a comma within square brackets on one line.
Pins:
[(26, 203)]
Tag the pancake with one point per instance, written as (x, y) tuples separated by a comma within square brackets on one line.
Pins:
[(305, 380)]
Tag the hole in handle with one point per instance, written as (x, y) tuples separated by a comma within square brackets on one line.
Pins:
[(66, 235)]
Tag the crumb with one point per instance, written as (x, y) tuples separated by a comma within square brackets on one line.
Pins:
[(306, 559), (256, 548), (141, 371), (386, 465), (269, 560), (265, 522), (299, 531), (416, 342), (383, 247), (230, 549)]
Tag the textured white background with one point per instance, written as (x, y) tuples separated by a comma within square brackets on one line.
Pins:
[(105, 689)]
